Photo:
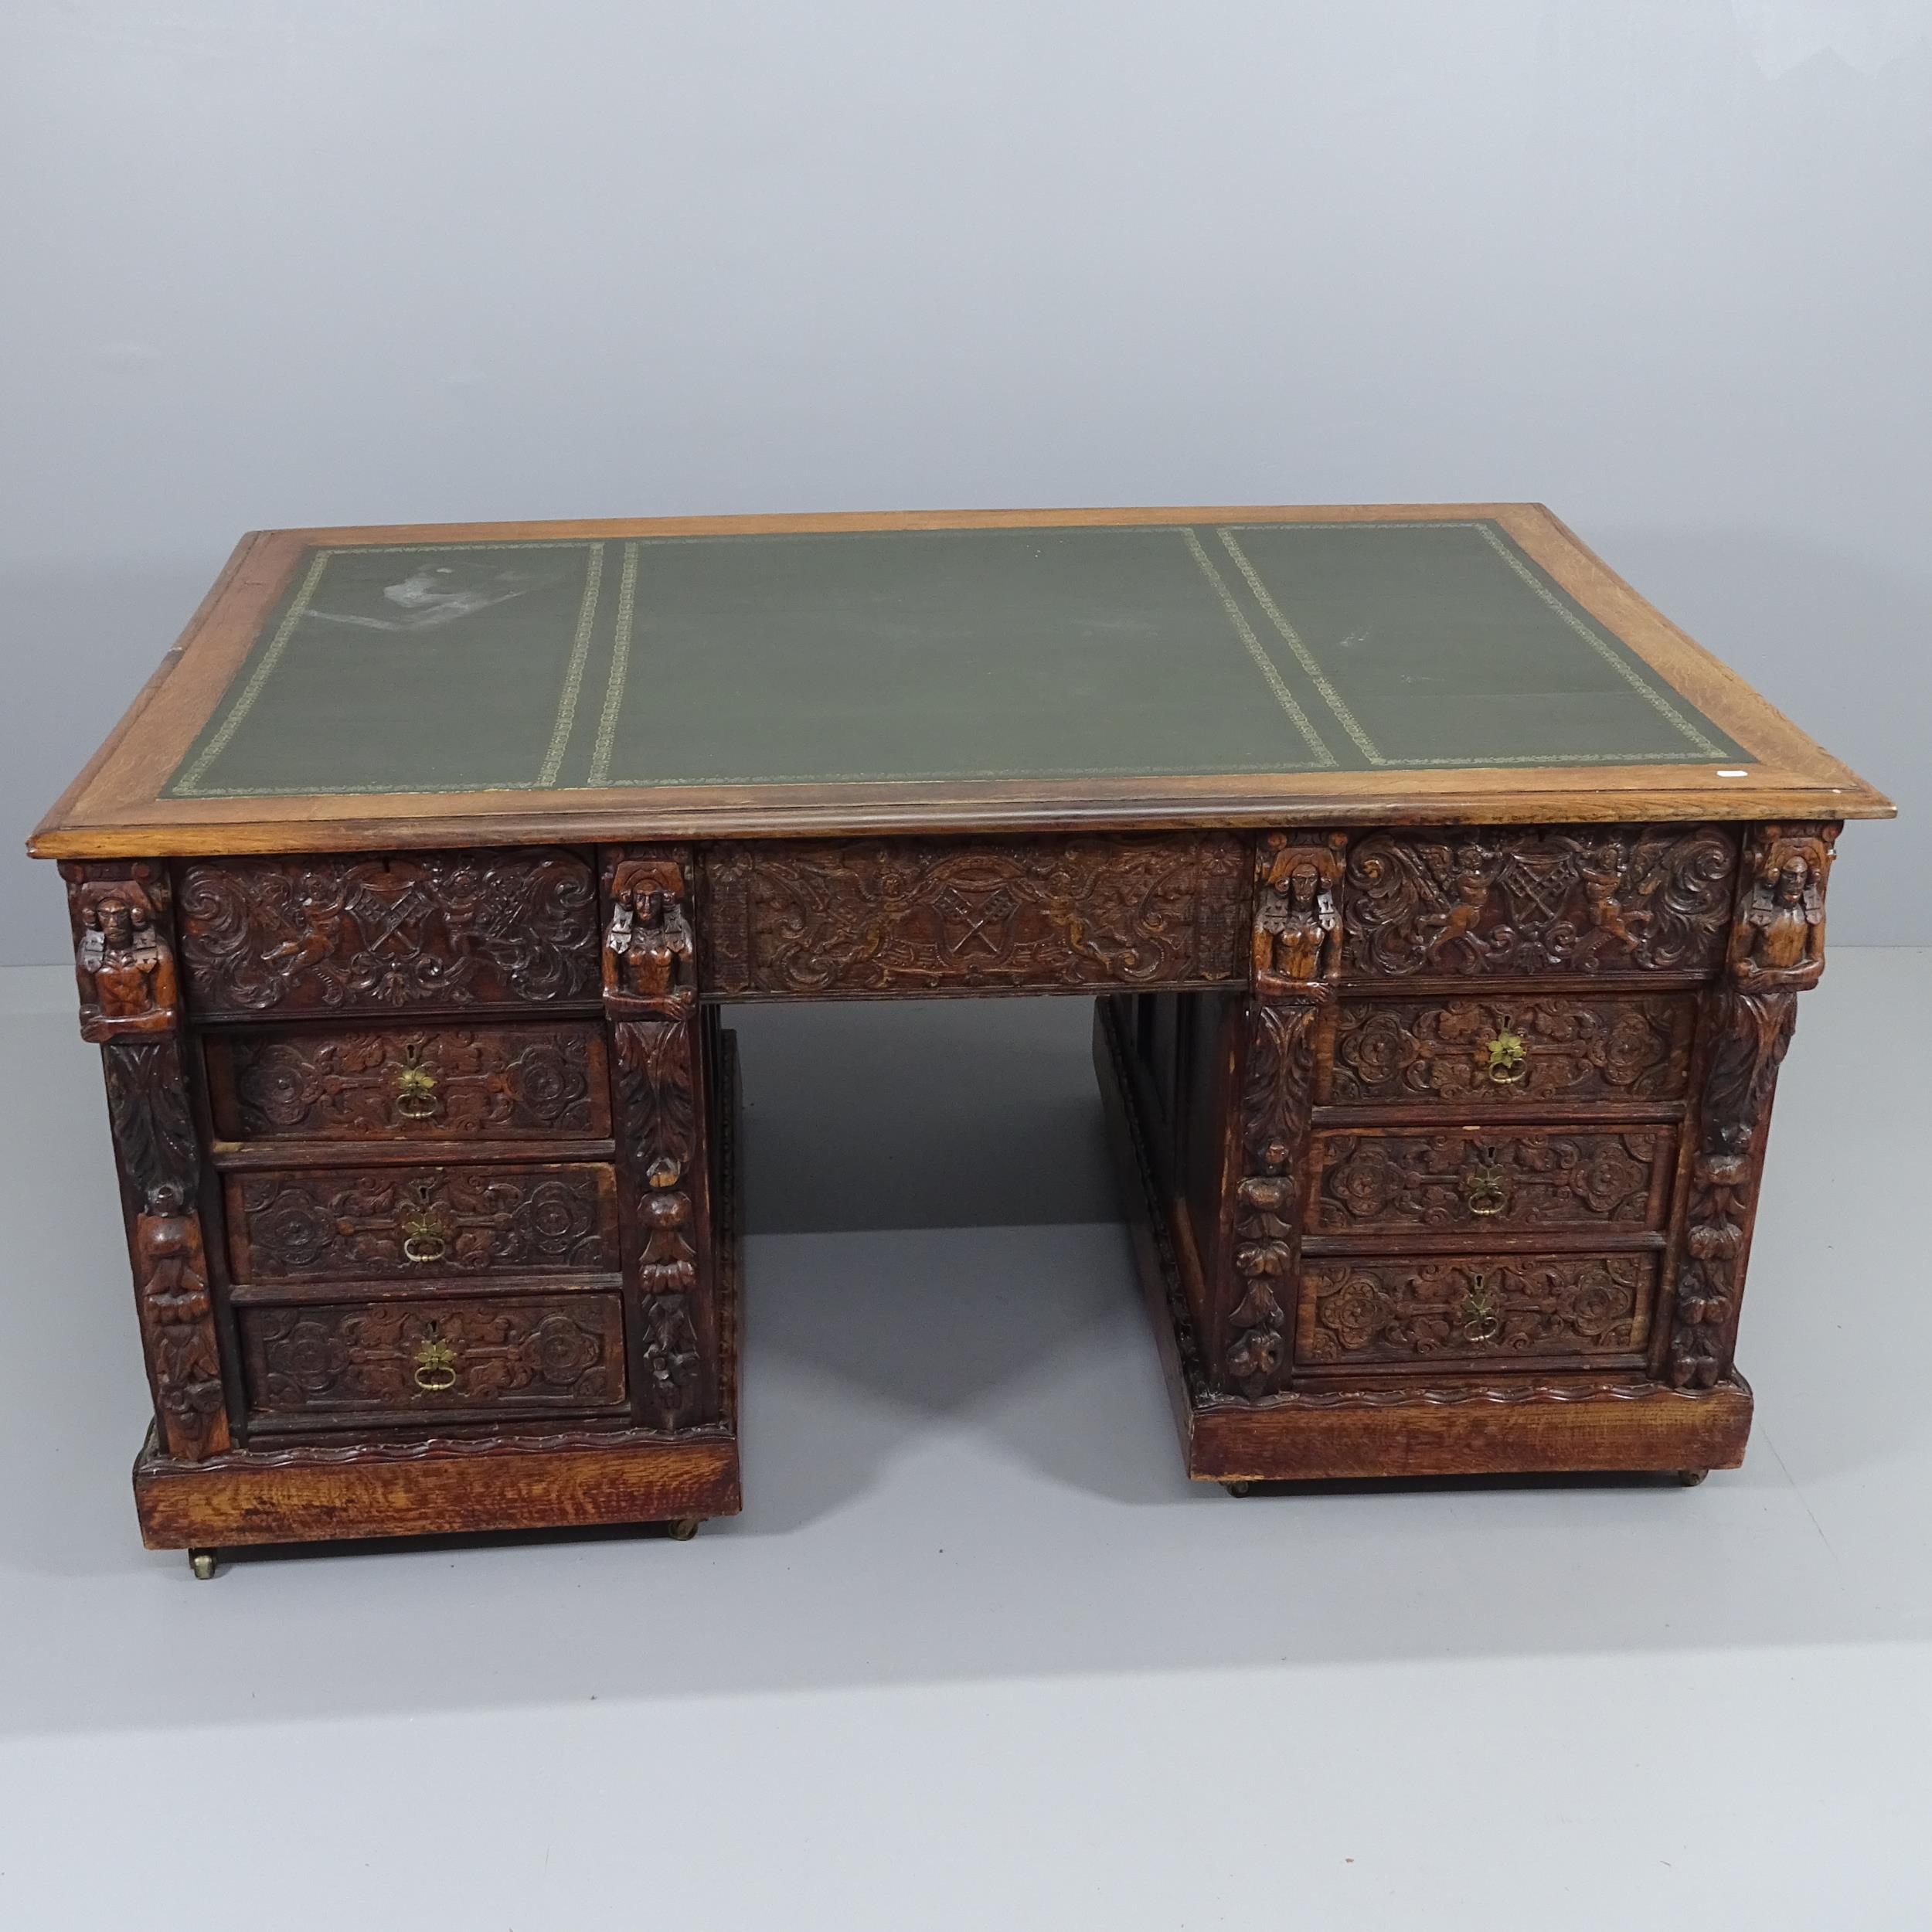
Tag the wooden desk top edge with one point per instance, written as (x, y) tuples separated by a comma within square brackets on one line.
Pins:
[(112, 809)]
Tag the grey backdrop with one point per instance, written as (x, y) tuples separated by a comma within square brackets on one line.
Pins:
[(1661, 263)]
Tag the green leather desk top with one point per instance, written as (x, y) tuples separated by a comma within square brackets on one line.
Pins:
[(909, 655), (995, 670)]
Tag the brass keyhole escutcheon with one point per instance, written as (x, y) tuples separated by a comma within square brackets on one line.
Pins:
[(1505, 1058), (415, 1097), (423, 1239), (435, 1365), (1481, 1319)]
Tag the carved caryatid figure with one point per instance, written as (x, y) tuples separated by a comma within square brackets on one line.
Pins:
[(1296, 929), (124, 964), (1784, 923), (650, 942)]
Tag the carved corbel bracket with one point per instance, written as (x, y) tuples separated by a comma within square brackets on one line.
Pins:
[(1777, 938), (1297, 920), (124, 949), (650, 950)]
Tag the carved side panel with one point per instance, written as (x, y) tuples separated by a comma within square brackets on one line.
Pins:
[(1748, 1033), (416, 929), (125, 963), (1277, 1089), (918, 916), (1588, 898)]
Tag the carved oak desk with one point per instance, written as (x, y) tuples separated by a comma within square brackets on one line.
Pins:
[(1444, 906)]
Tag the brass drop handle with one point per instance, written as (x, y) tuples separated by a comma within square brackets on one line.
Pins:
[(424, 1240), (435, 1365), (1481, 1319), (1505, 1059), (416, 1098), (1484, 1192)]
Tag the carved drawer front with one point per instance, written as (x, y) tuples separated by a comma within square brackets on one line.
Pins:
[(1505, 1051), (1484, 1312), (1496, 901), (479, 928), (404, 1082), (391, 1361), (404, 1223), (1454, 1179), (917, 916)]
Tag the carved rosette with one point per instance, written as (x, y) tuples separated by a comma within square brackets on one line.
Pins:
[(130, 1005), (650, 993)]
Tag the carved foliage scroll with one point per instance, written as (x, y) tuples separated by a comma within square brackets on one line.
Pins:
[(1506, 901), (1748, 1033), (930, 915), (416, 929)]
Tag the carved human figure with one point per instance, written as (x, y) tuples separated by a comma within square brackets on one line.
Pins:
[(649, 937), (132, 972), (1296, 927), (1785, 921), (174, 1296), (1602, 870), (1470, 883)]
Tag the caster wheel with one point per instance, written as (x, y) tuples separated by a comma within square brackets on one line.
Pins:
[(201, 1562), (685, 1528), (1690, 1478), (1235, 1488)]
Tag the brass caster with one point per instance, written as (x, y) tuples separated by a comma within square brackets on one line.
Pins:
[(201, 1562), (685, 1528), (1690, 1478), (1236, 1488)]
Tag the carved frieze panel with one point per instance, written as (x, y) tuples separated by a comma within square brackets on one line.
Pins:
[(1449, 1179), (416, 929), (920, 916), (394, 1223), (1485, 1311), (1496, 900), (439, 1358), (410, 1084), (1505, 1051)]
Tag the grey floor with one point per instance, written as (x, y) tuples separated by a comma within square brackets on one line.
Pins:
[(975, 1655)]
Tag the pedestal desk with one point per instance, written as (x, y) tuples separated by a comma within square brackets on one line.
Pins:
[(1443, 907)]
